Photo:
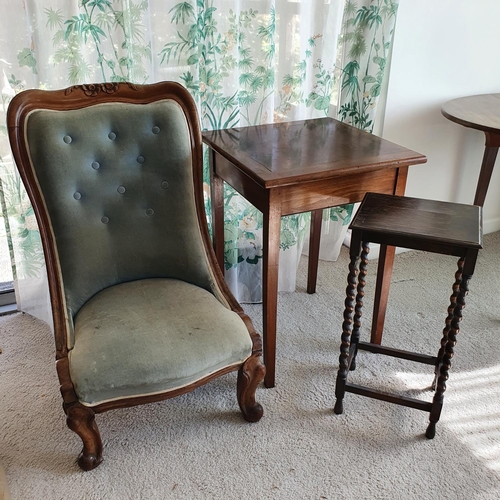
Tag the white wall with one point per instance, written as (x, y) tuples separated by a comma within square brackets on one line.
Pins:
[(444, 49)]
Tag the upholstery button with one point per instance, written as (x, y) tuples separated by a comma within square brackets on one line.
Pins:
[(150, 211), (77, 195), (121, 189), (141, 159), (104, 219), (156, 130), (112, 136), (67, 139), (95, 165), (164, 184)]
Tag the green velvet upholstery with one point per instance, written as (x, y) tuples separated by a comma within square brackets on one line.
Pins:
[(146, 336), (117, 183)]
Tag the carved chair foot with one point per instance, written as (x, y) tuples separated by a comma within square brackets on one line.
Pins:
[(81, 420), (250, 376), (88, 462)]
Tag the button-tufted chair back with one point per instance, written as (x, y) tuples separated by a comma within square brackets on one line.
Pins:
[(117, 182), (141, 310)]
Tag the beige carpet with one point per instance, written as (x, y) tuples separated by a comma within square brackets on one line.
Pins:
[(198, 447)]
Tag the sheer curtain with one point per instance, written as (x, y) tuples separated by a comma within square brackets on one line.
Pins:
[(246, 62)]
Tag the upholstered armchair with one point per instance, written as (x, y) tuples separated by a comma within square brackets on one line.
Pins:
[(141, 310)]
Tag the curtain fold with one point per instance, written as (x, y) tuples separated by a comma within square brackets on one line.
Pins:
[(246, 62)]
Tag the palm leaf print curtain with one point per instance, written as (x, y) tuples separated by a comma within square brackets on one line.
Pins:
[(245, 62)]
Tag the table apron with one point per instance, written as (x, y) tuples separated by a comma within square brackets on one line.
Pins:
[(241, 182), (298, 198), (312, 195)]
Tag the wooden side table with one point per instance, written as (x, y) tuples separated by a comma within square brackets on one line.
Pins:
[(427, 225), (481, 112), (293, 167)]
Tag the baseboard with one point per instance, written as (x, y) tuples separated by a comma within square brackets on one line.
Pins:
[(491, 225)]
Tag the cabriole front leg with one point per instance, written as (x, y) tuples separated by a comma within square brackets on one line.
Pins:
[(250, 375), (81, 419)]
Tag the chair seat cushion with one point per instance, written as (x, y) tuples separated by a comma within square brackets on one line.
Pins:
[(150, 336)]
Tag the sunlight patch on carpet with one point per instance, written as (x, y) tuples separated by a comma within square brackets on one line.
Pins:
[(471, 410)]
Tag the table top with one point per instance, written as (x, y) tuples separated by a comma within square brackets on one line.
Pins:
[(481, 112), (439, 221), (286, 153)]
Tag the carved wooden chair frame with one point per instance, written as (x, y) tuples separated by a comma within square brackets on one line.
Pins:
[(81, 418)]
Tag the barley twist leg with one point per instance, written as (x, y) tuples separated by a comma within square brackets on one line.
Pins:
[(346, 336), (448, 352), (356, 331), (451, 308)]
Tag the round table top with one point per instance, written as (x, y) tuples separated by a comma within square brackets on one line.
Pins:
[(481, 112)]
